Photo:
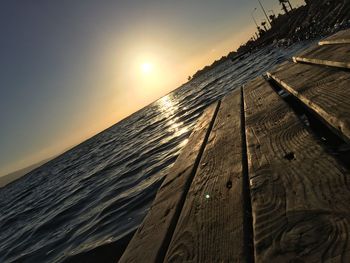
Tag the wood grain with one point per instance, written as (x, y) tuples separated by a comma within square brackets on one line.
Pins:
[(150, 242), (327, 55), (300, 194), (210, 228), (325, 90), (342, 37)]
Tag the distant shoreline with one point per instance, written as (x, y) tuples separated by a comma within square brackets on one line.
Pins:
[(316, 19), (14, 176)]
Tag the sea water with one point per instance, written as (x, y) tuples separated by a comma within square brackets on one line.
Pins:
[(95, 195)]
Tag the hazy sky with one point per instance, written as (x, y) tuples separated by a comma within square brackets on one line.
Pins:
[(71, 68)]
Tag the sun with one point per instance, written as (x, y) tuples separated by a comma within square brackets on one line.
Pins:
[(146, 68)]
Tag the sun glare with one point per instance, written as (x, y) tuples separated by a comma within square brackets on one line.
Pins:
[(146, 68)]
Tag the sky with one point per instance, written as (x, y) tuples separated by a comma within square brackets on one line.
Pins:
[(71, 68)]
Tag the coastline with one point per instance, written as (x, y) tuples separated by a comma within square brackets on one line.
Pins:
[(315, 20)]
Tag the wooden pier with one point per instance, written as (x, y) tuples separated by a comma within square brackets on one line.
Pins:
[(256, 182)]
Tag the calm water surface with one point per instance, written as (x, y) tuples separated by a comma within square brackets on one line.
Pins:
[(98, 193)]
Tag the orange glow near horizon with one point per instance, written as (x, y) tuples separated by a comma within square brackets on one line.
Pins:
[(146, 72), (155, 78), (99, 64)]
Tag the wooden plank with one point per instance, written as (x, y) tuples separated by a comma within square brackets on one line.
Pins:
[(210, 227), (327, 55), (150, 242), (342, 37), (300, 194), (324, 90)]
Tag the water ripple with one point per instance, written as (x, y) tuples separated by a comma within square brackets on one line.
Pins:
[(90, 200)]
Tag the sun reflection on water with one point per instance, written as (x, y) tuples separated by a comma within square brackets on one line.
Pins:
[(168, 106)]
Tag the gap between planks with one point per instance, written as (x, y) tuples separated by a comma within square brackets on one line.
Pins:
[(152, 237), (341, 37), (326, 55), (300, 193), (215, 223), (311, 85), (247, 204)]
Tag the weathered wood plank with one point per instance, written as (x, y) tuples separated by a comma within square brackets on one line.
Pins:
[(341, 37), (150, 242), (210, 227), (324, 90), (327, 55), (300, 194)]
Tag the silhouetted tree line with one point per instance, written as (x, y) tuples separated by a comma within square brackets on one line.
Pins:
[(317, 18)]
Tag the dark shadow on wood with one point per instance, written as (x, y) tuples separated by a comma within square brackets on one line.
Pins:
[(108, 253), (322, 66), (247, 206), (324, 133)]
